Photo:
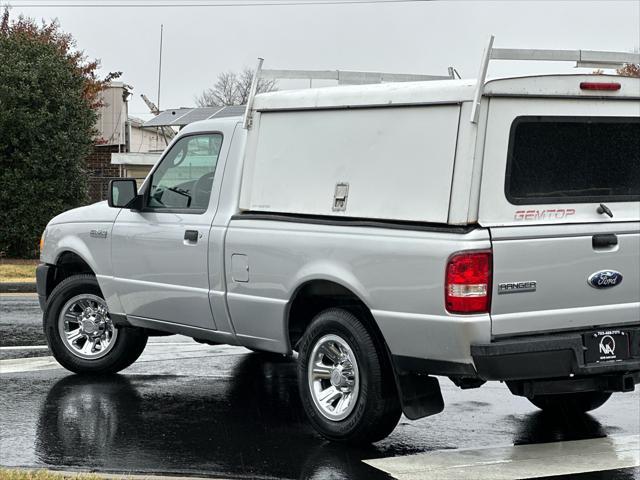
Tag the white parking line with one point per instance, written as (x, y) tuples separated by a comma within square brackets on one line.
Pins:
[(19, 365), (31, 347), (150, 344), (521, 461), (169, 357), (220, 376)]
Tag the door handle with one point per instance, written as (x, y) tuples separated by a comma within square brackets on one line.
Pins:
[(191, 236), (604, 241)]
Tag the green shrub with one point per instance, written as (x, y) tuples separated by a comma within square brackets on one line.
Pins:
[(48, 95)]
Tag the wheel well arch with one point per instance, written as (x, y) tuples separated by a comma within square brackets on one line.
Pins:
[(68, 263), (71, 261), (419, 394), (314, 296)]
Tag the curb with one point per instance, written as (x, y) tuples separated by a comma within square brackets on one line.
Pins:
[(18, 287)]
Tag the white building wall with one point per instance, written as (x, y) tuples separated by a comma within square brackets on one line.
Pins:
[(112, 116), (145, 140)]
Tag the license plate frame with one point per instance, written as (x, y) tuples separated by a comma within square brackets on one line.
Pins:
[(605, 346)]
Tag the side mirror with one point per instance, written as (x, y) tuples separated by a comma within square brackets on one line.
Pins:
[(122, 192)]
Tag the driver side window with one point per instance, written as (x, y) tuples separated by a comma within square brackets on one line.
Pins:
[(184, 178)]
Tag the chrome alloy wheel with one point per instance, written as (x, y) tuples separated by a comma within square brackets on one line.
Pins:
[(85, 327), (334, 381)]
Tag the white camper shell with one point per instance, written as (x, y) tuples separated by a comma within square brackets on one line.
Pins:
[(334, 150), (414, 151)]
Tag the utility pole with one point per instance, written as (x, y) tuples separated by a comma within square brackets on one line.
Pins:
[(160, 64)]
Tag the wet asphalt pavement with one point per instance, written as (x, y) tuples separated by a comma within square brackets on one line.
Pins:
[(20, 320), (192, 409)]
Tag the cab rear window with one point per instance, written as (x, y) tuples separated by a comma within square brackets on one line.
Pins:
[(573, 160)]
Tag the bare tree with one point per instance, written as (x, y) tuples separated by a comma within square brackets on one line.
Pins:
[(222, 93), (243, 86), (629, 70), (233, 88)]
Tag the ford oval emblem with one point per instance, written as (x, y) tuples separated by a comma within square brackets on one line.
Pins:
[(605, 279)]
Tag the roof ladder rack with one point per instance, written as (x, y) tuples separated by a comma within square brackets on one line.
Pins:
[(344, 77), (583, 59), (347, 77)]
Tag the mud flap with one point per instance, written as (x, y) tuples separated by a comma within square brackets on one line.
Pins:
[(420, 395)]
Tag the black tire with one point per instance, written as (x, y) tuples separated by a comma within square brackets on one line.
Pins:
[(128, 345), (376, 409), (570, 403)]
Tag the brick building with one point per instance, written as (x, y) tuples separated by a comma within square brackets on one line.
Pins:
[(100, 170)]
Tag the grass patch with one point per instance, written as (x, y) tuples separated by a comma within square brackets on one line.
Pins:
[(18, 270), (7, 474)]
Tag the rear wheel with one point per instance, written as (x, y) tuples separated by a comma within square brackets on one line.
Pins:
[(80, 332), (568, 403), (346, 383)]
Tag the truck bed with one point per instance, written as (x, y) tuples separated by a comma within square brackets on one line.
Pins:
[(395, 268)]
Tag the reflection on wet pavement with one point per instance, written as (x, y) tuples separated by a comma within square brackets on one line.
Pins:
[(253, 427), (542, 427), (248, 425)]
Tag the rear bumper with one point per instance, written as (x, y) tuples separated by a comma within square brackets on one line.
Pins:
[(549, 357)]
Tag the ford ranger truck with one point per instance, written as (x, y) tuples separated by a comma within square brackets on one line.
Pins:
[(386, 235)]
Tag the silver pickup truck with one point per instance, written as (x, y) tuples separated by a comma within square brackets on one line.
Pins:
[(384, 235)]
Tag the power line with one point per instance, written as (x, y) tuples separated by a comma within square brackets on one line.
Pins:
[(209, 4)]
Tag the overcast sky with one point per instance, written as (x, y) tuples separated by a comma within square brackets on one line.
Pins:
[(421, 37)]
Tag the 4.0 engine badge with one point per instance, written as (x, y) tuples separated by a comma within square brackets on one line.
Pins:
[(98, 233), (605, 279)]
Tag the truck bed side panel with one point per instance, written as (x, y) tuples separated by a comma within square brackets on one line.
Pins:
[(397, 273)]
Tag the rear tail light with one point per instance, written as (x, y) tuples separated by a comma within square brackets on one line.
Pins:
[(468, 282), (610, 86)]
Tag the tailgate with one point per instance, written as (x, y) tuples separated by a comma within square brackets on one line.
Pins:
[(560, 195), (552, 277)]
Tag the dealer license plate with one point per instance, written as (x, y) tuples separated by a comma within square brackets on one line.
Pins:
[(606, 346)]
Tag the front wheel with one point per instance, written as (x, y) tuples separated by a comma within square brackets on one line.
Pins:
[(80, 332), (569, 403), (346, 383)]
